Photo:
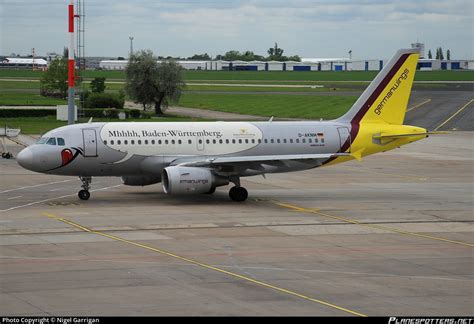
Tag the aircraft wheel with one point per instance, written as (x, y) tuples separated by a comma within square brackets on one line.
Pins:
[(8, 155), (84, 194), (3, 155), (238, 193)]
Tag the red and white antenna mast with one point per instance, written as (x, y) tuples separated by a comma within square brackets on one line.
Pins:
[(71, 64)]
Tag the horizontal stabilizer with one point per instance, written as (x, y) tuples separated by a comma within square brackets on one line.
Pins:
[(395, 136), (386, 137)]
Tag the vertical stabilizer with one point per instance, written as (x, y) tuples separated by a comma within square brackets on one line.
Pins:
[(386, 98)]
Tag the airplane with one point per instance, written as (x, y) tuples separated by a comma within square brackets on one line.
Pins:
[(198, 157)]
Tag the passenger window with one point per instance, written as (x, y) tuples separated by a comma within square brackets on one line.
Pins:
[(153, 142), (315, 140), (310, 141), (227, 141), (139, 142), (112, 142), (278, 141), (132, 142), (189, 142), (304, 140), (266, 141), (214, 141), (105, 142), (233, 141), (51, 141), (291, 140), (221, 141), (200, 141), (297, 140), (159, 142), (240, 141), (166, 142), (207, 141), (284, 140), (118, 142), (146, 141), (179, 142), (61, 141), (272, 141), (259, 141), (253, 141)]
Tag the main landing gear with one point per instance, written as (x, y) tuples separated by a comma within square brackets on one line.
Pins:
[(84, 194), (238, 193)]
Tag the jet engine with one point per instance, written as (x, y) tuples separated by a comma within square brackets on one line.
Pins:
[(140, 180), (190, 180)]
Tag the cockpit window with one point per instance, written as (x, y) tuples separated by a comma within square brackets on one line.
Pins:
[(42, 140), (51, 141), (61, 141)]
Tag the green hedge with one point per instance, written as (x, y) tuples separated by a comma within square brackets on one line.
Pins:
[(12, 113), (104, 100), (96, 113)]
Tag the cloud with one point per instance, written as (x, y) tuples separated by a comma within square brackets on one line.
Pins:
[(183, 27)]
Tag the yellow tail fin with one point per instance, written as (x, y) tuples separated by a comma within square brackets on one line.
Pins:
[(386, 98)]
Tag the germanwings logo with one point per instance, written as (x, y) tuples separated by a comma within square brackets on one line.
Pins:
[(400, 79)]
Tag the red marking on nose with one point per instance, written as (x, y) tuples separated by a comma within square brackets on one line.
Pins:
[(66, 156)]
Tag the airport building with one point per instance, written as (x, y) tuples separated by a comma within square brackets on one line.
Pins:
[(306, 64), (17, 62)]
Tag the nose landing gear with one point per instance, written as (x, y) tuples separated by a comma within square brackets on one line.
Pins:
[(84, 194)]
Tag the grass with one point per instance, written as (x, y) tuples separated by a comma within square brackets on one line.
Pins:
[(28, 99), (41, 125), (264, 75), (286, 106)]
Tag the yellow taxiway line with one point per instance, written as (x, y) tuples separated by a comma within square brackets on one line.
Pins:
[(379, 227), (203, 265), (455, 114), (418, 105)]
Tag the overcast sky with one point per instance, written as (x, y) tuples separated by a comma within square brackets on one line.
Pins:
[(309, 28)]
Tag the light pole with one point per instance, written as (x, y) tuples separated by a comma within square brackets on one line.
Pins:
[(131, 45), (350, 54)]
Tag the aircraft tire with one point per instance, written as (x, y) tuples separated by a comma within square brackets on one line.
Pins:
[(84, 195), (8, 155), (238, 193)]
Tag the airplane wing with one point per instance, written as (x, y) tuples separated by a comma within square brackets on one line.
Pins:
[(254, 159)]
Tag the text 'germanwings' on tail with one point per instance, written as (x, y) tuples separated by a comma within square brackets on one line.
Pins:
[(386, 98)]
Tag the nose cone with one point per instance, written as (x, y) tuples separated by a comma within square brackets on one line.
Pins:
[(25, 158)]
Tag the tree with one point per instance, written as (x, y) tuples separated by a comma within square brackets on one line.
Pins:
[(448, 55), (53, 83), (204, 56), (437, 53), (276, 53), (98, 85), (148, 82), (441, 55), (430, 56)]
